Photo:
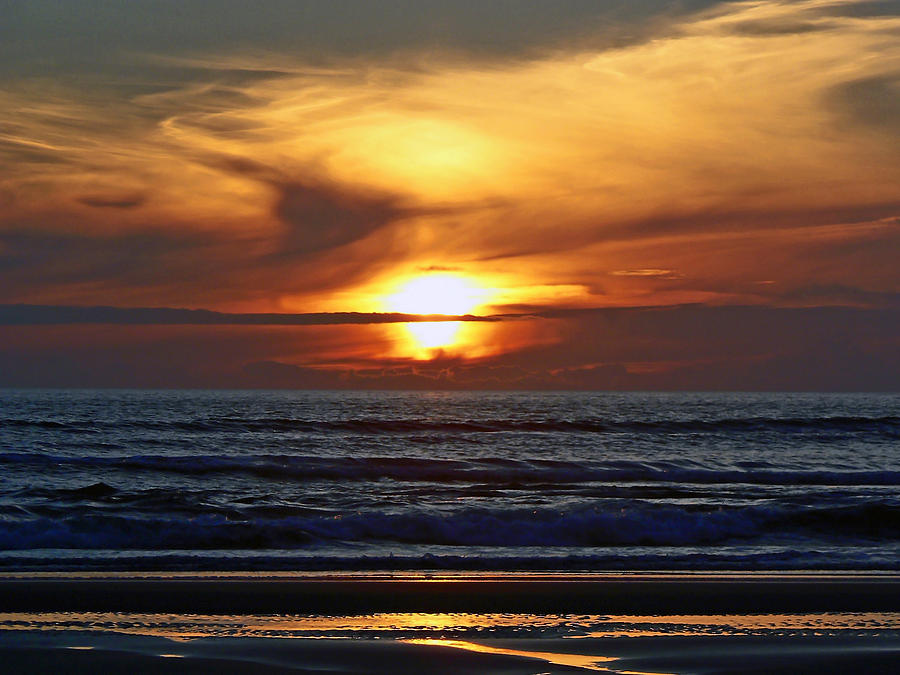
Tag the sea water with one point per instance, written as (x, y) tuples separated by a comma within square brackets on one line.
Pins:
[(390, 481)]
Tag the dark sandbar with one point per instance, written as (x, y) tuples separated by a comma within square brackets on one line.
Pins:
[(344, 595)]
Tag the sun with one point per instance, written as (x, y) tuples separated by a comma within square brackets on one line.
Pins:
[(436, 294), (448, 294)]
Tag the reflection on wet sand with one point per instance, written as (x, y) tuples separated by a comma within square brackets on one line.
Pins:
[(575, 660), (438, 626), (412, 643)]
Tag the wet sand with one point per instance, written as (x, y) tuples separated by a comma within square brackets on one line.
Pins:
[(482, 624), (24, 653), (362, 594)]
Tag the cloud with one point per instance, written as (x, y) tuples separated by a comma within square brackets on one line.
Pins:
[(647, 273), (319, 217), (840, 294), (871, 102), (113, 201), (747, 141), (738, 348), (123, 265), (439, 268), (318, 212), (28, 315), (775, 28), (97, 35), (30, 254)]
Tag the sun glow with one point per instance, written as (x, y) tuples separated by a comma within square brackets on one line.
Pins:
[(432, 156), (437, 294), (447, 294)]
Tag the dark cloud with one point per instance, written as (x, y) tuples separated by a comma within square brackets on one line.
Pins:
[(41, 35), (871, 9), (671, 348), (142, 356), (729, 219), (698, 333), (319, 217), (779, 28), (723, 348), (35, 257), (723, 219), (835, 294), (871, 101), (25, 315), (318, 213)]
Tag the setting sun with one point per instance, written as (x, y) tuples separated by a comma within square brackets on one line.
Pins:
[(436, 294), (448, 294)]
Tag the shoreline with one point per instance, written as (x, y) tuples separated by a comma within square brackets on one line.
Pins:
[(450, 624)]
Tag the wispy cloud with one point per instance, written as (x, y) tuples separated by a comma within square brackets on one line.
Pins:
[(648, 272), (752, 140)]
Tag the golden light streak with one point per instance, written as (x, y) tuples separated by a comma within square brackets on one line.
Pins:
[(587, 662)]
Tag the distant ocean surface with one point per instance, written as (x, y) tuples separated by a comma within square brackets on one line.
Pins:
[(251, 480)]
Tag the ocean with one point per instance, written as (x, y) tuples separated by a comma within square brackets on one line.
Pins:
[(448, 481)]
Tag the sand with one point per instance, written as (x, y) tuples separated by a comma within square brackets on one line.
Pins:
[(483, 624)]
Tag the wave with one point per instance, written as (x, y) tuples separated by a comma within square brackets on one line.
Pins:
[(615, 524), (492, 471), (101, 497), (796, 559), (884, 424)]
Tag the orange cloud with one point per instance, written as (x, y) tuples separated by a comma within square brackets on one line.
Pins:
[(729, 149)]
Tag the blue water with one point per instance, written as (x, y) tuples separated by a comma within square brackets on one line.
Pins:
[(213, 480)]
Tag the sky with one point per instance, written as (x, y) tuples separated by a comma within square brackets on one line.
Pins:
[(595, 195)]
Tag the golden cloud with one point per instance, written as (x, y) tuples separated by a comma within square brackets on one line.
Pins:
[(574, 178)]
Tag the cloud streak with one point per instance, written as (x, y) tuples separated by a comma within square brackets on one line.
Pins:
[(41, 315), (744, 348)]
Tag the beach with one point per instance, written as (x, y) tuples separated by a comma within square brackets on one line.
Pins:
[(473, 532), (356, 623), (503, 337)]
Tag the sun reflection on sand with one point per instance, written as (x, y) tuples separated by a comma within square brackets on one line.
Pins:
[(444, 626), (589, 662), (501, 635)]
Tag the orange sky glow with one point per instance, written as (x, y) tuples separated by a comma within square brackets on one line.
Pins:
[(743, 155)]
